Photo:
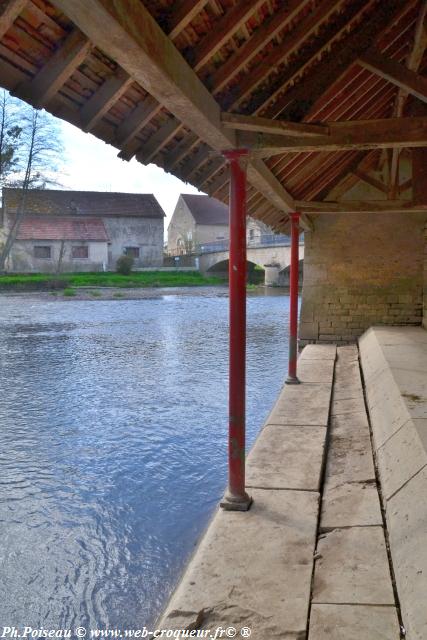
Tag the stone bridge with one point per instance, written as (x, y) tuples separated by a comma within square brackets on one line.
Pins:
[(274, 260)]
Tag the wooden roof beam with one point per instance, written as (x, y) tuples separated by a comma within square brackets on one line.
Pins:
[(183, 13), (57, 70), (104, 98), (350, 135), (413, 62), (265, 125), (397, 73), (9, 11), (373, 182), (130, 35), (260, 39), (353, 206), (223, 30)]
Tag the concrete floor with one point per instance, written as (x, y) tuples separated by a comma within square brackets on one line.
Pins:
[(310, 559)]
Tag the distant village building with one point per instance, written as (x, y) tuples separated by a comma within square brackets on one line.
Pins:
[(82, 230), (199, 220)]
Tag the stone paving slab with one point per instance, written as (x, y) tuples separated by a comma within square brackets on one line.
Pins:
[(304, 404), (353, 568), (400, 335), (349, 622), (349, 460), (344, 391), (319, 352), (252, 569), (400, 458), (316, 371), (407, 525), (287, 458), (350, 505), (348, 405), (349, 425)]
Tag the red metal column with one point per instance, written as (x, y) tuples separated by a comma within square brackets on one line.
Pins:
[(236, 498), (293, 301)]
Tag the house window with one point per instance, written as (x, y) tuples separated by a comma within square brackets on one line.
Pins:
[(132, 251), (80, 252), (251, 234), (42, 252)]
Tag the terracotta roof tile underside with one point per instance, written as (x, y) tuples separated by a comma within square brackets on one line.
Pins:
[(62, 228), (206, 210), (49, 201), (296, 60)]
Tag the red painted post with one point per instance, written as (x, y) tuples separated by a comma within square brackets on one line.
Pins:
[(293, 301), (236, 498)]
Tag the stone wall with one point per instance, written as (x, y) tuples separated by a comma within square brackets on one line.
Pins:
[(425, 279), (22, 259), (361, 270), (144, 233)]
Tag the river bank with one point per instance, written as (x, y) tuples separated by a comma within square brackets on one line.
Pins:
[(65, 281)]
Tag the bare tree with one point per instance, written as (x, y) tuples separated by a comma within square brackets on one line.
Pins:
[(41, 148), (10, 138)]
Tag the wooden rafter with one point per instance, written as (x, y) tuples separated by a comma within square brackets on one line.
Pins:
[(183, 13), (127, 31), (225, 28), (104, 98), (158, 140), (351, 135), (281, 53), (260, 39), (49, 80), (139, 117), (404, 78), (306, 92), (9, 11)]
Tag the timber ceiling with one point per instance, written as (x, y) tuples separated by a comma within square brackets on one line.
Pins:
[(302, 61)]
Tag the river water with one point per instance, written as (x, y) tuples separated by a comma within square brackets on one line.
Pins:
[(113, 445)]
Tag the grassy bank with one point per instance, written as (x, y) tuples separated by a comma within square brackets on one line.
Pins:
[(46, 282)]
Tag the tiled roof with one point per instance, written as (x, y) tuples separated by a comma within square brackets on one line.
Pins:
[(89, 203), (62, 228), (206, 210)]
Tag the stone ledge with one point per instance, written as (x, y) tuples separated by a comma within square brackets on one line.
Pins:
[(394, 362)]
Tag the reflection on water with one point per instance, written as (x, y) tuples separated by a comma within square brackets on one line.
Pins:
[(113, 447)]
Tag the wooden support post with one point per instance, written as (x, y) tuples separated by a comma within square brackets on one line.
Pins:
[(293, 302), (236, 498)]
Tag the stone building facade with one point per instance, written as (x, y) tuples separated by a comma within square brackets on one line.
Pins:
[(199, 220), (82, 230)]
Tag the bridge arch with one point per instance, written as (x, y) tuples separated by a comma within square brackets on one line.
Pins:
[(284, 274), (255, 272)]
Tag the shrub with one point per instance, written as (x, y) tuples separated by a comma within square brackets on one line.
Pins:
[(124, 265), (69, 293)]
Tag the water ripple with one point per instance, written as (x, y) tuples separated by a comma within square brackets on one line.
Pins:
[(113, 447)]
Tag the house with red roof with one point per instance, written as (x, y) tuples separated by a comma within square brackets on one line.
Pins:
[(82, 230)]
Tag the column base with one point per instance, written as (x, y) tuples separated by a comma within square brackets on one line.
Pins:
[(292, 380), (236, 503)]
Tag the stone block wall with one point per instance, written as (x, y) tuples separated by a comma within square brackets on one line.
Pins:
[(362, 270), (425, 279)]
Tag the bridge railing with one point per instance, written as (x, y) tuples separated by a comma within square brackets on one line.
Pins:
[(263, 240)]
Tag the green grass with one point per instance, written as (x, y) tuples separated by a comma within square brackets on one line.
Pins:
[(39, 281), (95, 294), (69, 293)]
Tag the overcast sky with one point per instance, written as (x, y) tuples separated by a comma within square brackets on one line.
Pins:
[(92, 165)]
